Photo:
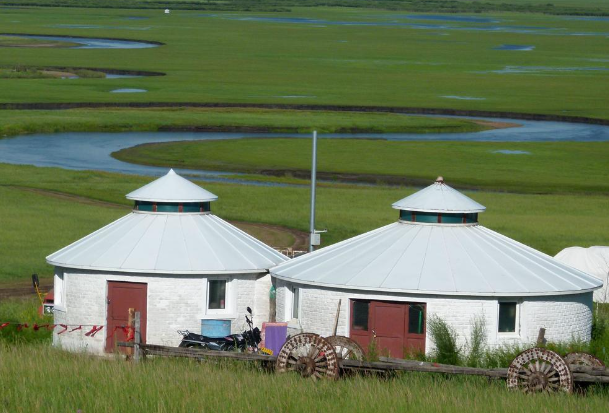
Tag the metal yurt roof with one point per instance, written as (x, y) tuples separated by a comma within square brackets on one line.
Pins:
[(169, 243), (172, 188), (439, 197), (437, 257), (593, 261)]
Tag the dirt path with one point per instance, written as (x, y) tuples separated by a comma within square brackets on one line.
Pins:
[(23, 289)]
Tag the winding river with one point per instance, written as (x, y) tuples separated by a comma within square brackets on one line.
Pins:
[(91, 151)]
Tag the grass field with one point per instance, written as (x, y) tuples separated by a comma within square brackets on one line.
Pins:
[(556, 167), (37, 378), (222, 58), (35, 224), (232, 57), (584, 7), (16, 122)]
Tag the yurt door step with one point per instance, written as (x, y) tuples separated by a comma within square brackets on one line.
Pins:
[(396, 328), (121, 297)]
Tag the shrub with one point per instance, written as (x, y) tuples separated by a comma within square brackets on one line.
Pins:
[(477, 342), (445, 339)]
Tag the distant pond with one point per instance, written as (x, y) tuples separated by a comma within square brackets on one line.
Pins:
[(90, 42)]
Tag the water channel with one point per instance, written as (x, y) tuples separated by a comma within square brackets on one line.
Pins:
[(90, 42), (91, 151)]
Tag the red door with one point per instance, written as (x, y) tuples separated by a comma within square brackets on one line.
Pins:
[(396, 328), (388, 327), (121, 297)]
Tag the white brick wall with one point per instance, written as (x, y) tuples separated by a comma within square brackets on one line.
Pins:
[(564, 317), (175, 302)]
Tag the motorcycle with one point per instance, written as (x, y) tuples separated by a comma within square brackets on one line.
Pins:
[(247, 341)]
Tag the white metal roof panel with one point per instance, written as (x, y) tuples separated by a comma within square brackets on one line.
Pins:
[(172, 188), (436, 259), (593, 261), (439, 197), (178, 243)]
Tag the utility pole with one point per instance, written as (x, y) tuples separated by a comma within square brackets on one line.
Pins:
[(313, 237)]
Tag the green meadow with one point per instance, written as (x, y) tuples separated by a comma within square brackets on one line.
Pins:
[(19, 122), (45, 209), (543, 168), (37, 378), (224, 57), (553, 197)]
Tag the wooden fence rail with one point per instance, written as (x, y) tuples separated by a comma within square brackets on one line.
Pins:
[(580, 373)]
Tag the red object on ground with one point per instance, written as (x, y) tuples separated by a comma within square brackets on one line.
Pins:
[(49, 298)]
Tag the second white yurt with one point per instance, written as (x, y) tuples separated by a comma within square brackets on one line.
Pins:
[(435, 261)]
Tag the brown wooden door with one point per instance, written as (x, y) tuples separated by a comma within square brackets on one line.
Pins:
[(121, 297), (397, 328)]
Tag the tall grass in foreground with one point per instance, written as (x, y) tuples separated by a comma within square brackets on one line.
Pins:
[(37, 378)]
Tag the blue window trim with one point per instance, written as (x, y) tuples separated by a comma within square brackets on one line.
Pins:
[(179, 207), (438, 218)]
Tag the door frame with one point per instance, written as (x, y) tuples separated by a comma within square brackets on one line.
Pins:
[(371, 317), (110, 333)]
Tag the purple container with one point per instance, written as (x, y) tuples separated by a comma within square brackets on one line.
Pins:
[(274, 336)]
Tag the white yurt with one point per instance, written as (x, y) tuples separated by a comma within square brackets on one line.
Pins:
[(594, 261), (436, 260), (170, 259)]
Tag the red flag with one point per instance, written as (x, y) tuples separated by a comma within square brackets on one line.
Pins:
[(93, 331), (65, 328), (3, 325), (77, 328)]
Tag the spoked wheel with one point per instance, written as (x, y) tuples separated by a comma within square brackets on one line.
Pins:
[(310, 355), (346, 349), (538, 369), (583, 359)]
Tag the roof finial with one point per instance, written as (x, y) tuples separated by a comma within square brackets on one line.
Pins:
[(440, 179)]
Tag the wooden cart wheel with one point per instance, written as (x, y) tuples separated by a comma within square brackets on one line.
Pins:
[(346, 348), (583, 359), (538, 369), (310, 355)]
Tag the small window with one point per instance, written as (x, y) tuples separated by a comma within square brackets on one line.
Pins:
[(507, 317), (295, 301), (360, 315), (416, 319), (217, 295)]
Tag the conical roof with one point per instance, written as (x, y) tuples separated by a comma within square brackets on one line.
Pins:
[(169, 243), (406, 257), (172, 188), (441, 198)]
